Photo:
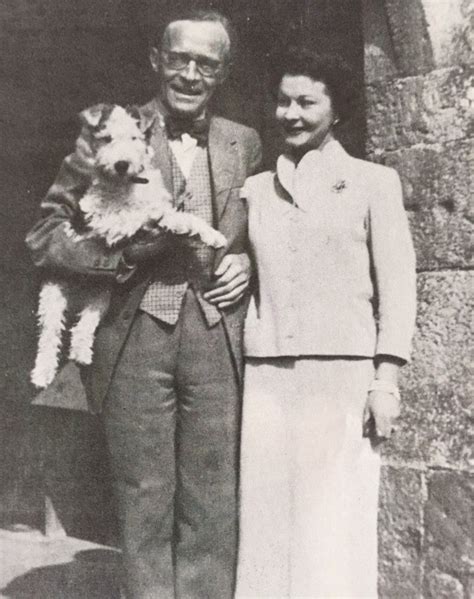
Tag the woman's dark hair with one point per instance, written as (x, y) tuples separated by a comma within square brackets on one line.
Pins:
[(330, 69), (199, 15)]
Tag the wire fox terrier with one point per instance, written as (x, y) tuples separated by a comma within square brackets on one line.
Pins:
[(126, 196)]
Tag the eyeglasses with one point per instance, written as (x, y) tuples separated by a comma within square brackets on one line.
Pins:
[(180, 60)]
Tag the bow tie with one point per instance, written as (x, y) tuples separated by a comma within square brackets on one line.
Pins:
[(198, 129)]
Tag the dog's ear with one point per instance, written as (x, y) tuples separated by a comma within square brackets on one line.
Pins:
[(91, 120), (147, 122), (133, 111), (93, 116)]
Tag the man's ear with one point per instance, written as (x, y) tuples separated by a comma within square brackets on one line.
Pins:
[(92, 116), (155, 59), (224, 71)]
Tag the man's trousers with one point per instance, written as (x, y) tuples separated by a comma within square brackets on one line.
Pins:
[(172, 419)]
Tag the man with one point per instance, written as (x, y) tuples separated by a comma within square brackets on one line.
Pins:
[(167, 358)]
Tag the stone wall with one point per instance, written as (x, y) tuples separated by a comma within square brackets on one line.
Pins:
[(420, 101)]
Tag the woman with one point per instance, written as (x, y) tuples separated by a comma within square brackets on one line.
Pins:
[(326, 333)]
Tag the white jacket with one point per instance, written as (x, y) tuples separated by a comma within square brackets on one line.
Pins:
[(335, 259)]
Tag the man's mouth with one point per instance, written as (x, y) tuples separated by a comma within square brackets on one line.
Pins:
[(187, 92)]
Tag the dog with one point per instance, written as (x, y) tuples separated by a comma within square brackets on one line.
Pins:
[(126, 198)]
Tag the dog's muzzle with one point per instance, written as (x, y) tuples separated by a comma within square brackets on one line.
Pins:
[(121, 167)]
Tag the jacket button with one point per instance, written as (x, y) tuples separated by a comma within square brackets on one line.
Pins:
[(126, 315)]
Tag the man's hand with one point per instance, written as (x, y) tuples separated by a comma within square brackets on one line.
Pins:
[(384, 408), (232, 278)]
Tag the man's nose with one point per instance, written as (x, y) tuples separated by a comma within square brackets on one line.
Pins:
[(191, 72)]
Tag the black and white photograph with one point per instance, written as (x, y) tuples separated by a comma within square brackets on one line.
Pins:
[(236, 270)]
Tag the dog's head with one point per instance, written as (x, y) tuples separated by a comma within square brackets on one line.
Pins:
[(115, 140)]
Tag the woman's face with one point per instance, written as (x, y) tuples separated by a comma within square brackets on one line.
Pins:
[(304, 111)]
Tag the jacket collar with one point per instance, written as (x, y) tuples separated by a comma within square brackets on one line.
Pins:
[(161, 157), (317, 169)]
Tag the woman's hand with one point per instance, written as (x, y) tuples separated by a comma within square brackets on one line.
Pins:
[(383, 402), (384, 409)]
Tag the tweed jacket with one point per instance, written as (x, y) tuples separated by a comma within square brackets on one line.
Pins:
[(335, 260), (235, 153)]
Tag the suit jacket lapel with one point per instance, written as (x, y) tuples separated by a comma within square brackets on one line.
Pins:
[(223, 158), (222, 152), (161, 158)]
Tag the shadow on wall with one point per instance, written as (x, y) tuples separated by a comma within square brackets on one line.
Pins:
[(93, 574), (66, 451)]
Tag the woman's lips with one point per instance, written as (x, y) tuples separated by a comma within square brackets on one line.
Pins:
[(294, 130)]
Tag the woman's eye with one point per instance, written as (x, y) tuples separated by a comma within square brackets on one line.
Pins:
[(107, 139)]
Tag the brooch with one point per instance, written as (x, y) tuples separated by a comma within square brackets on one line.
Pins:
[(339, 186)]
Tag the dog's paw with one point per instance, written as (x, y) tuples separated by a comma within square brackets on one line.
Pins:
[(42, 378), (213, 239), (81, 355)]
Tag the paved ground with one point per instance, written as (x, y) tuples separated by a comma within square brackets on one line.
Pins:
[(33, 566)]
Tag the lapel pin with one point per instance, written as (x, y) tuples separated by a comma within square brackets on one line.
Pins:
[(339, 186)]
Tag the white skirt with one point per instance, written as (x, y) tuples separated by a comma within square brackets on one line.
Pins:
[(309, 481)]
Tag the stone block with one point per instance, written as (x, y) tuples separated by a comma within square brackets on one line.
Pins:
[(449, 535), (437, 387), (437, 183), (450, 30), (433, 108), (443, 586), (429, 33), (410, 37), (380, 62), (402, 497)]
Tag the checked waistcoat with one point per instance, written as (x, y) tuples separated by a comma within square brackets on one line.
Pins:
[(191, 264)]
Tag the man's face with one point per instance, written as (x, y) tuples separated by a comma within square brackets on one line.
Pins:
[(190, 64)]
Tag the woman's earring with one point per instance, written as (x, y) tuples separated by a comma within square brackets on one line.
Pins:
[(336, 121)]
